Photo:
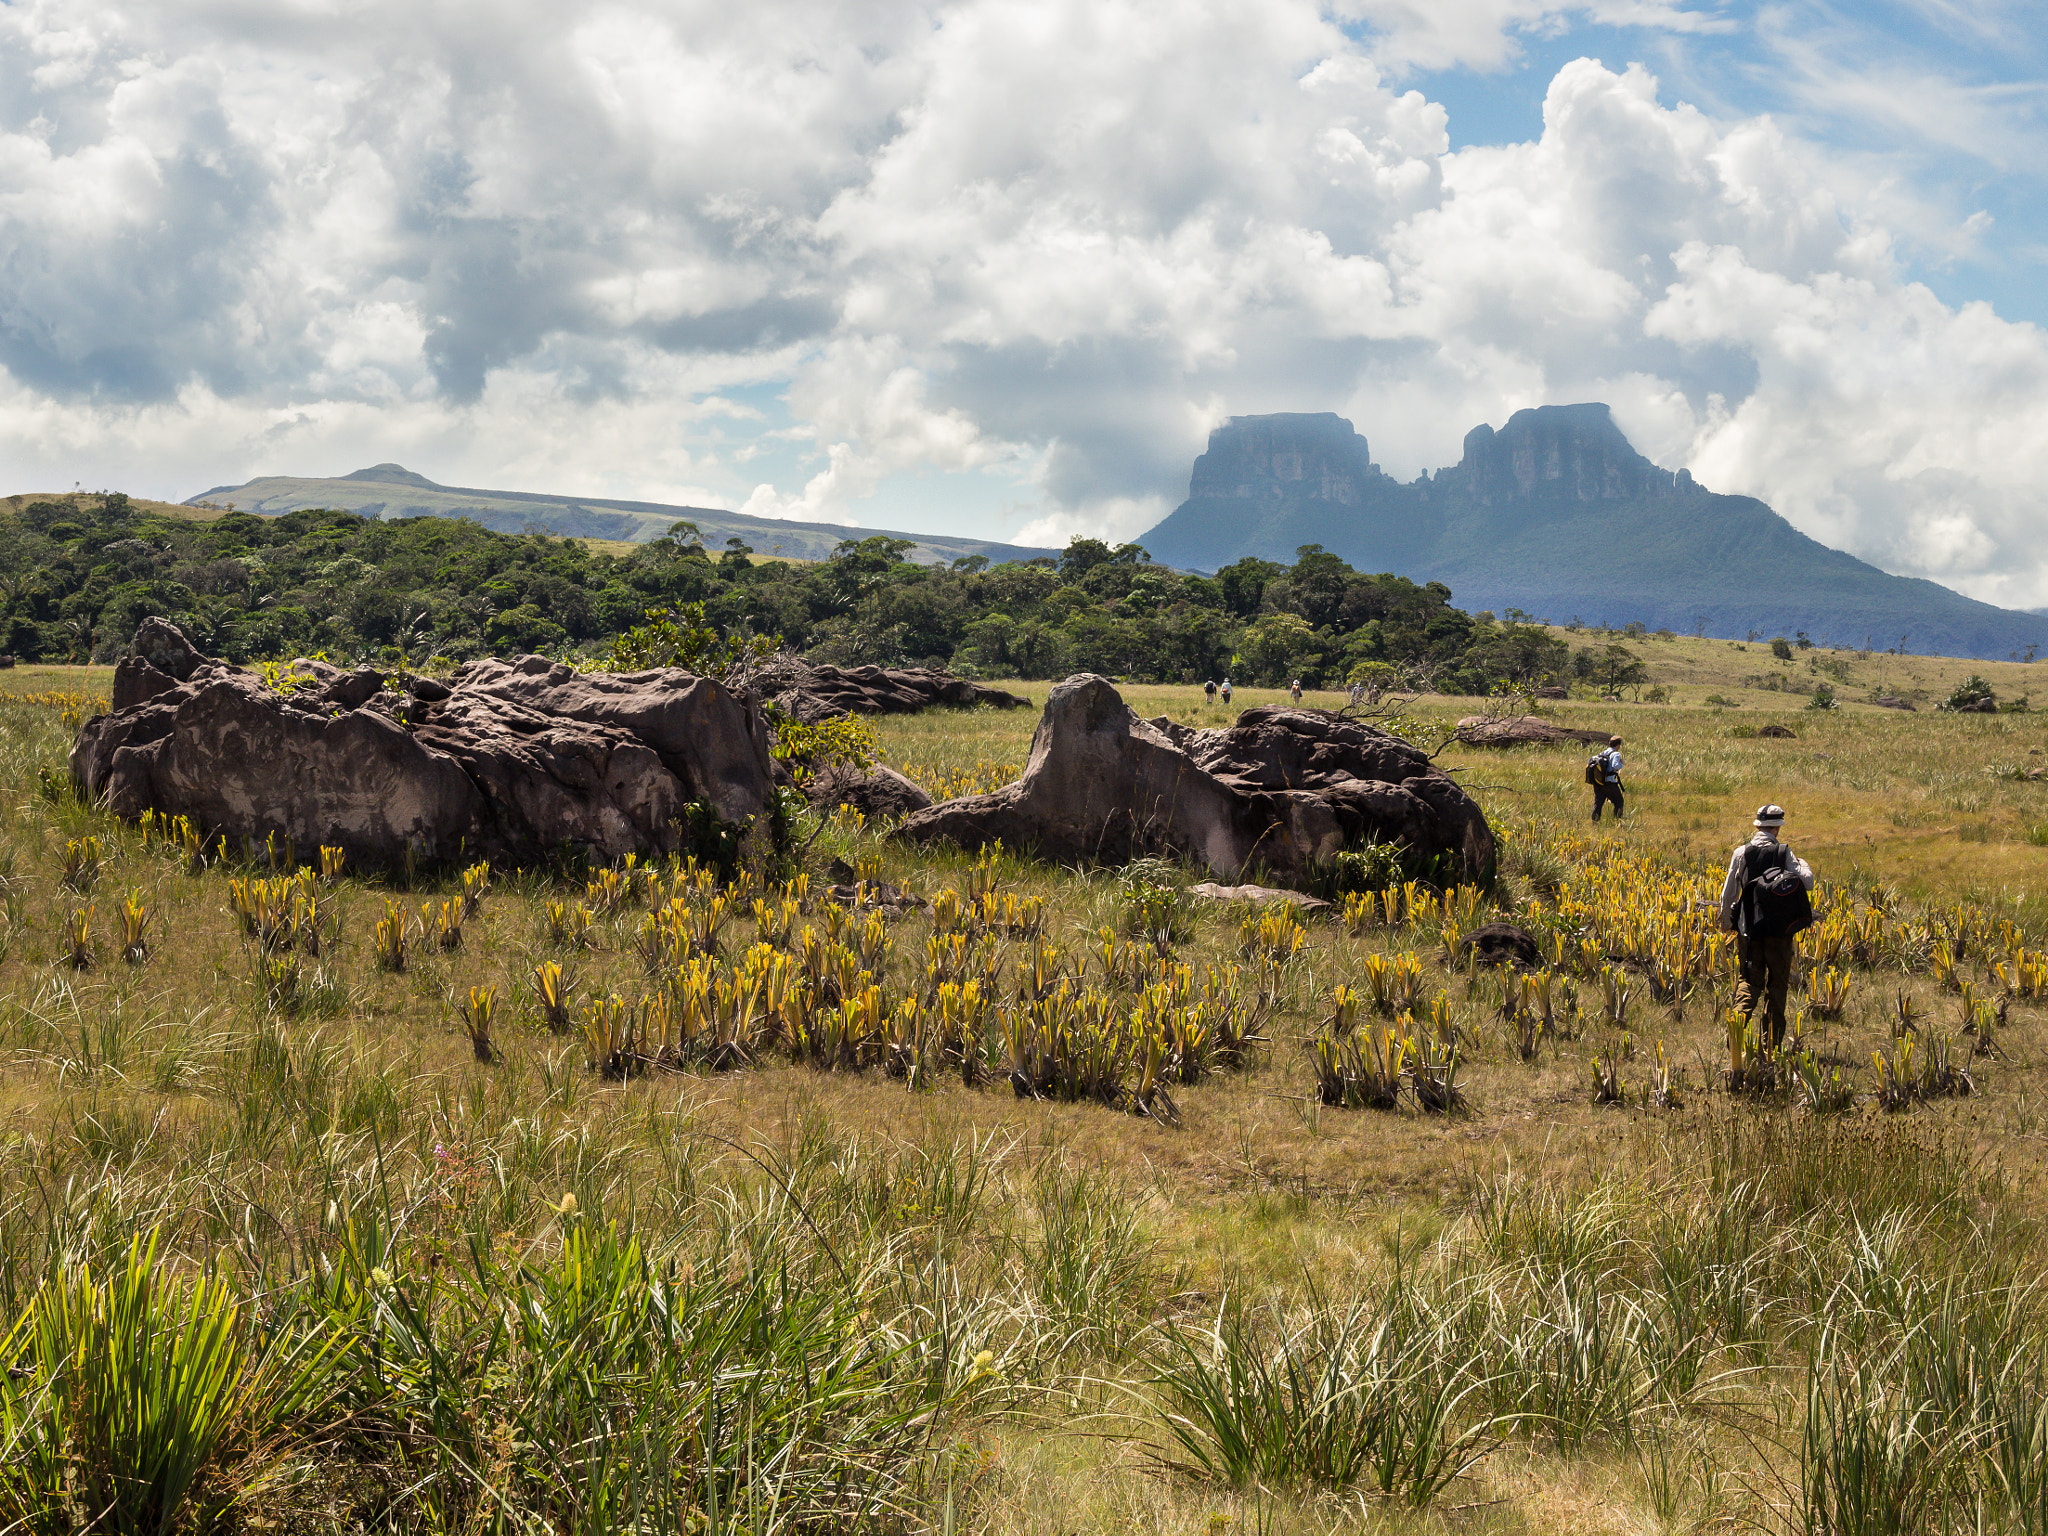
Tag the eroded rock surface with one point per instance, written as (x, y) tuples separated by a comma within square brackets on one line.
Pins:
[(1522, 731), (1258, 895), (878, 792), (814, 692), (516, 761), (1278, 792)]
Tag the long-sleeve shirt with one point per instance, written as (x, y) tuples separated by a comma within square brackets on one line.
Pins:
[(1731, 888)]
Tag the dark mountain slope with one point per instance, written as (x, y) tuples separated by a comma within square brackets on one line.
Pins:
[(1557, 514)]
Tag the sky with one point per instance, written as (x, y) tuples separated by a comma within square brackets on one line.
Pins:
[(997, 267)]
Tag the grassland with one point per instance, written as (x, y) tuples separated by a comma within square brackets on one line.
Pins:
[(525, 1295), (1748, 676), (90, 500), (1937, 806)]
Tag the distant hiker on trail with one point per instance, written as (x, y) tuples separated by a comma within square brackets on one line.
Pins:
[(1603, 772), (1209, 691), (1295, 689), (1764, 901), (1357, 694), (1226, 690)]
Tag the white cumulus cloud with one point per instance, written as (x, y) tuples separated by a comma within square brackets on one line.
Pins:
[(795, 258)]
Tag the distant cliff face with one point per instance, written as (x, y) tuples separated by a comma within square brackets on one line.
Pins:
[(1556, 514), (1557, 453), (1290, 457)]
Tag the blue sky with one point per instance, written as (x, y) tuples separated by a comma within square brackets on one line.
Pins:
[(1946, 103), (999, 266)]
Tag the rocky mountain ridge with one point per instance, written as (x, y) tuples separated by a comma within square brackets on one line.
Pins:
[(1558, 515)]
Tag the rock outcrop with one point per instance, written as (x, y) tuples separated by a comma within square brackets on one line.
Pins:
[(879, 793), (813, 692), (1522, 731), (1291, 456), (513, 761), (1278, 792), (1557, 514), (1559, 453)]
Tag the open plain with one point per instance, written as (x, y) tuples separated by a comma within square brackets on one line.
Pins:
[(1566, 1277)]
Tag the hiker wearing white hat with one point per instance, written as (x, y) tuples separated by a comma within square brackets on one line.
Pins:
[(1764, 900), (1603, 772)]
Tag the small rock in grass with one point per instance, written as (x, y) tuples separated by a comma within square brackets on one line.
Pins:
[(1499, 944), (1209, 890)]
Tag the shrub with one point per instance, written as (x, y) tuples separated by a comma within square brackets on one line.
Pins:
[(1152, 907), (1972, 693), (1373, 866)]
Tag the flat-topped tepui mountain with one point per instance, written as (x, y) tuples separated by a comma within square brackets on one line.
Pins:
[(1558, 515), (392, 491)]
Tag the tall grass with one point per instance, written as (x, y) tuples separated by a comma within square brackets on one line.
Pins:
[(1378, 1397), (389, 1282)]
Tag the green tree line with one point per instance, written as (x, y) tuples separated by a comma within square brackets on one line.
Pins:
[(77, 577)]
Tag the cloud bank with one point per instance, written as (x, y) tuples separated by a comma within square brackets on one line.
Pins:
[(808, 259)]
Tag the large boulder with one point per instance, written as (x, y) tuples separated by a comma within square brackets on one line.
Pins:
[(158, 660), (1280, 791), (516, 762), (878, 792), (813, 691)]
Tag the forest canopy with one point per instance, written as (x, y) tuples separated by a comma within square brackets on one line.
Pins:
[(77, 577)]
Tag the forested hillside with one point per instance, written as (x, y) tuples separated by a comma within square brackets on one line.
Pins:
[(76, 578)]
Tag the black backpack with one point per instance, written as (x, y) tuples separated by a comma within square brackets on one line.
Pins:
[(1774, 895)]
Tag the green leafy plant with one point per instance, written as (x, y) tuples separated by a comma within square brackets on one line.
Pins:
[(121, 1391), (683, 637), (1151, 905), (1345, 1398), (1972, 693)]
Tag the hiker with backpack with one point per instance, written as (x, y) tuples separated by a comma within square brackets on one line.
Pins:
[(1603, 772), (1764, 900), (1209, 691)]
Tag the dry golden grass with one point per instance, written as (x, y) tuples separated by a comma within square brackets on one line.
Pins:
[(128, 1091), (1742, 671), (1937, 804), (14, 504)]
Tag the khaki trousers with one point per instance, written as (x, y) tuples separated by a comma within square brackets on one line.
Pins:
[(1766, 974)]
